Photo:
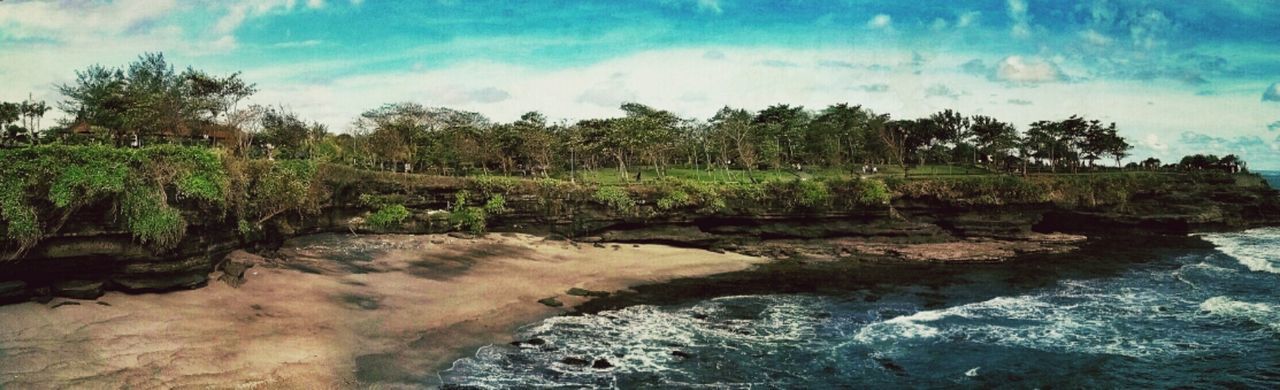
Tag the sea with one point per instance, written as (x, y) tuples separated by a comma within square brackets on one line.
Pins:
[(1200, 312)]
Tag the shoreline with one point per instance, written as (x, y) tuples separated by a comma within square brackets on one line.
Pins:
[(338, 311)]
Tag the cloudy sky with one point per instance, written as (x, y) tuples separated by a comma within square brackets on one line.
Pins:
[(1176, 76)]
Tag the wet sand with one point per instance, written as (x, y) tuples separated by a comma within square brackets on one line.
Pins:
[(334, 311)]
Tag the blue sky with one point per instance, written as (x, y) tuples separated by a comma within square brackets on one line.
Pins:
[(1177, 77)]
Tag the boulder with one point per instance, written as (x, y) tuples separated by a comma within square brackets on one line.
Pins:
[(552, 302), (78, 289), (13, 291), (601, 364), (579, 292), (158, 283)]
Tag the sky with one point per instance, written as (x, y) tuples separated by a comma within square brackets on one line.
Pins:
[(1177, 77)]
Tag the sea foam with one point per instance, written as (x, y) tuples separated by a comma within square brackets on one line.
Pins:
[(1256, 249)]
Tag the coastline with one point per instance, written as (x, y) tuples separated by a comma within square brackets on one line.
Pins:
[(386, 313)]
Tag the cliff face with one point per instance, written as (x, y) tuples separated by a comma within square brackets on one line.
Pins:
[(92, 253)]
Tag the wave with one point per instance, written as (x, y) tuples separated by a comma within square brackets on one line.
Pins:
[(1256, 249), (1257, 313), (1077, 318)]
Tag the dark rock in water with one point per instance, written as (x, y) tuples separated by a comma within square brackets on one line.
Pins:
[(11, 291), (533, 342), (579, 292), (700, 316), (550, 302), (601, 364), (573, 361), (871, 298), (892, 367), (154, 283), (681, 354), (78, 289), (64, 303)]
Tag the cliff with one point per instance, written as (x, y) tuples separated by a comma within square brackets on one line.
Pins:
[(91, 248)]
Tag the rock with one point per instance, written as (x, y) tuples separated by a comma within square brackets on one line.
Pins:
[(13, 290), (597, 245), (592, 239), (101, 303), (681, 354), (552, 302), (234, 266), (533, 342), (460, 235), (156, 283), (601, 364), (573, 361), (579, 292), (64, 303), (43, 295), (78, 289)]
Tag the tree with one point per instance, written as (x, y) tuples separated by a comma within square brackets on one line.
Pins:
[(734, 125), (32, 112), (9, 113), (992, 136), (784, 126), (953, 128)]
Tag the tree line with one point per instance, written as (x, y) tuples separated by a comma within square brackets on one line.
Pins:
[(148, 101)]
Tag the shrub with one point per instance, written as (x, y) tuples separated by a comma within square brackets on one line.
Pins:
[(388, 217), (497, 205), (872, 192), (616, 198), (673, 199), (469, 218)]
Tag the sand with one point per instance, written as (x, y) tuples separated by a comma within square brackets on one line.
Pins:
[(335, 311)]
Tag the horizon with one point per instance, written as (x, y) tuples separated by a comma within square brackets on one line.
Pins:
[(1173, 80)]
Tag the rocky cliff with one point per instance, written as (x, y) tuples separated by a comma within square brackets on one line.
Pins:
[(933, 219)]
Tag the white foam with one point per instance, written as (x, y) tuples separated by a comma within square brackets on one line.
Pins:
[(1077, 317), (1256, 249), (1258, 313)]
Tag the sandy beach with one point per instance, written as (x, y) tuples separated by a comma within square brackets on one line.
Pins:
[(332, 311)]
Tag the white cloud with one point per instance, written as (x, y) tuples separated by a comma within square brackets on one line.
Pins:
[(968, 19), (1017, 69), (1152, 141), (61, 21), (710, 6), (880, 21), (1095, 38), (938, 24), (1021, 22)]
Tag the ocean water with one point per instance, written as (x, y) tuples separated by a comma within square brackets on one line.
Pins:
[(1190, 315)]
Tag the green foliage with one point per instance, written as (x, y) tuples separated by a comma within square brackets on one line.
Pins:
[(796, 194), (497, 205), (871, 192), (150, 219), (674, 199), (388, 217), (490, 185), (469, 218), (616, 198)]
